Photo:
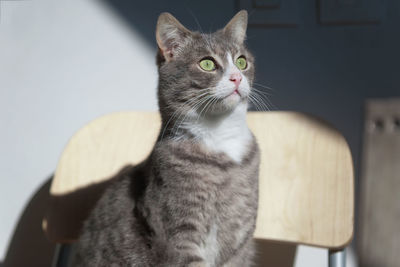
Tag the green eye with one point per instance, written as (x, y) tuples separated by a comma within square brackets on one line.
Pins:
[(207, 64), (241, 63)]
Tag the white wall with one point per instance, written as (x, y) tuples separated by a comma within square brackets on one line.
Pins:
[(62, 64)]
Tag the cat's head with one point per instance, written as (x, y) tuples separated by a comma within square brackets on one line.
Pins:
[(203, 74)]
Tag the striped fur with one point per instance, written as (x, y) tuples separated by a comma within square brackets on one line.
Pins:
[(189, 203)]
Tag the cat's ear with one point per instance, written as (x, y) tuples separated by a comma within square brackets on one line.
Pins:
[(171, 35), (236, 28)]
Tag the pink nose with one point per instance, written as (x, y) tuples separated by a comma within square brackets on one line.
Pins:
[(236, 78)]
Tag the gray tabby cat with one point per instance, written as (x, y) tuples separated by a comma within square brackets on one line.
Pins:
[(193, 201)]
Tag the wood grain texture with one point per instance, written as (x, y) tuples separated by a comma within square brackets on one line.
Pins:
[(306, 180), (101, 148), (306, 175), (379, 237)]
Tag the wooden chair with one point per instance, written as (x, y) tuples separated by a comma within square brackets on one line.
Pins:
[(306, 176)]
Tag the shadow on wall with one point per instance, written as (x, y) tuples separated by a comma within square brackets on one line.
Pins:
[(29, 246), (203, 15)]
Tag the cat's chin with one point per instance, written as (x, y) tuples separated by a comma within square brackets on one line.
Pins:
[(232, 101), (228, 105)]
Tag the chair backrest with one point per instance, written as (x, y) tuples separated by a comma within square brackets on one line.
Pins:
[(306, 175)]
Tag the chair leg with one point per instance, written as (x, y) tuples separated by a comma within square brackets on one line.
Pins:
[(61, 255), (337, 258)]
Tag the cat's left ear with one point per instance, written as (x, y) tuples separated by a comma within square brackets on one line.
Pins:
[(236, 28), (171, 35)]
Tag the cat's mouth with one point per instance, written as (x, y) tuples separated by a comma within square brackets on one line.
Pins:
[(233, 97), (234, 93)]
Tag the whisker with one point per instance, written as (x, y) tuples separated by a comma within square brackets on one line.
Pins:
[(256, 103), (178, 123), (264, 86), (212, 97), (207, 99), (268, 101), (179, 111), (195, 18), (213, 101), (262, 100), (261, 91)]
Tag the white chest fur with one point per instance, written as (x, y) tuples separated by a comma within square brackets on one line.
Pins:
[(229, 135)]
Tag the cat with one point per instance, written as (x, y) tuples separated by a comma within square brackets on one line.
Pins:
[(193, 201)]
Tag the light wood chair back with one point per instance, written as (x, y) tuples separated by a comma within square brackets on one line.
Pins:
[(306, 175)]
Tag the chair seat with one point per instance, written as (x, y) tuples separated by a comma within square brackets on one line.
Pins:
[(306, 175)]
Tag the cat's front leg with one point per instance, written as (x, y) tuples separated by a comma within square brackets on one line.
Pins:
[(182, 258), (184, 224), (244, 257), (187, 246)]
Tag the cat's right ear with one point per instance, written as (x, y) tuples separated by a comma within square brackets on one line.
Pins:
[(171, 35), (236, 28)]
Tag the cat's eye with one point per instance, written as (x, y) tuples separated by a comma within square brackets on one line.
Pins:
[(241, 63), (207, 64)]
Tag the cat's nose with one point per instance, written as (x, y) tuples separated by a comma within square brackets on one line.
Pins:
[(236, 78)]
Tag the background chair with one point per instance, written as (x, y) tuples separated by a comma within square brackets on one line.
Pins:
[(379, 202), (306, 177)]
